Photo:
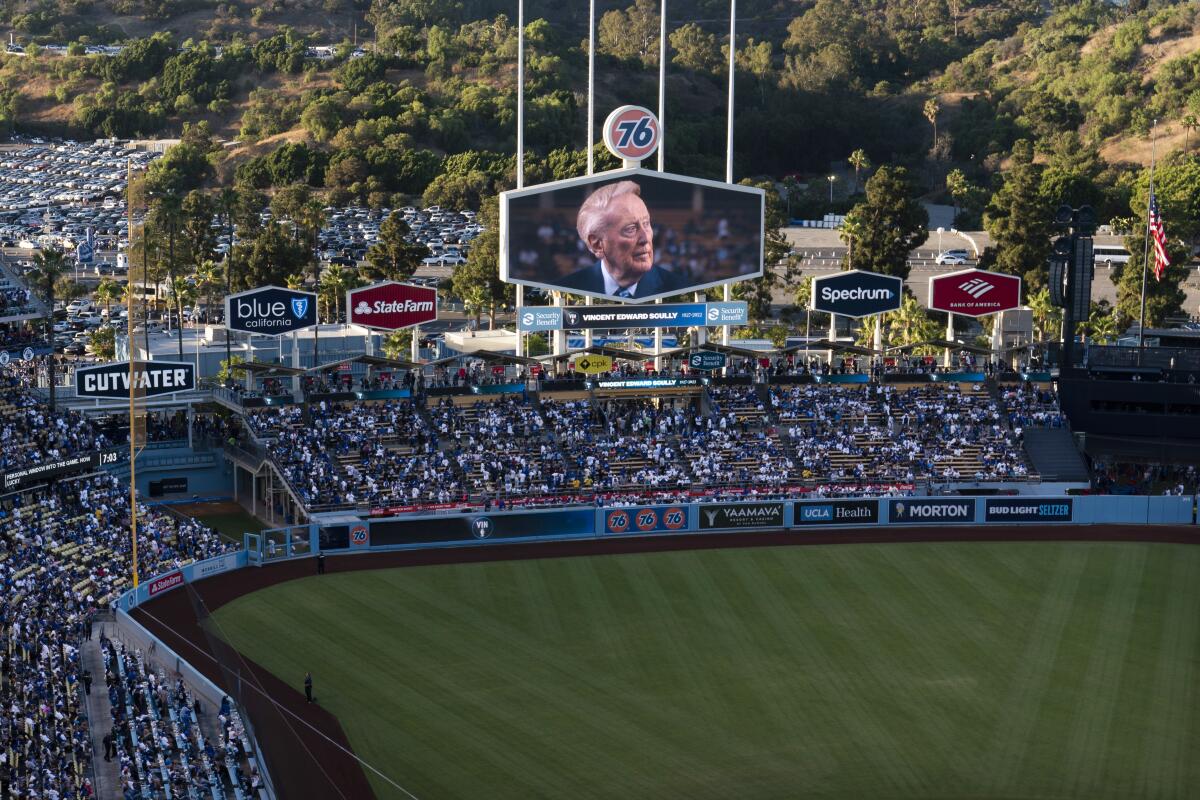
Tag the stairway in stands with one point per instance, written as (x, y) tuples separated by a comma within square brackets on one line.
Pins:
[(1054, 455)]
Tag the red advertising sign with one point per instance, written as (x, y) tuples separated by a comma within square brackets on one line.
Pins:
[(168, 581), (390, 306), (974, 292)]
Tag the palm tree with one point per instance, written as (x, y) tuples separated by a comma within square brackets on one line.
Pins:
[(859, 160), (48, 267), (106, 292), (1047, 318), (168, 211), (182, 293), (334, 284), (1190, 124), (295, 281), (1102, 324), (931, 113), (311, 219), (912, 324), (228, 204), (207, 279)]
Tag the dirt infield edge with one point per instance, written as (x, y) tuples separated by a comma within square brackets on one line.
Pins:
[(322, 766)]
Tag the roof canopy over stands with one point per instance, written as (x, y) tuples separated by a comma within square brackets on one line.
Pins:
[(372, 362), (612, 352), (260, 370), (829, 344), (487, 356)]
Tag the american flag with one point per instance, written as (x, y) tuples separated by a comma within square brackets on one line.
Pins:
[(1161, 260)]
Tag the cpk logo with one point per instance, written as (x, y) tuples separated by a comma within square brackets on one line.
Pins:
[(974, 292), (976, 287), (391, 306), (618, 521), (647, 519)]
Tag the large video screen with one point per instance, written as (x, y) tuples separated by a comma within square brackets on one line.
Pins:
[(631, 235)]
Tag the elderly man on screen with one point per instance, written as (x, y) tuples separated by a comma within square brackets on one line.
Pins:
[(615, 225)]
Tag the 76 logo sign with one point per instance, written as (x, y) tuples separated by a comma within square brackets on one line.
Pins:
[(632, 133)]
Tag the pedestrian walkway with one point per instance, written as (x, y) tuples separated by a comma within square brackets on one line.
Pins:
[(108, 773)]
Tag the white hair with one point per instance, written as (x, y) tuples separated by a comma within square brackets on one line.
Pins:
[(594, 210)]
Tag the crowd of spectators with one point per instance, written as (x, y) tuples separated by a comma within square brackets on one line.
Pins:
[(32, 433), (1032, 406), (157, 738), (1118, 477)]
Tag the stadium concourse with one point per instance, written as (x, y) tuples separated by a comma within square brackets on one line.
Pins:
[(65, 555)]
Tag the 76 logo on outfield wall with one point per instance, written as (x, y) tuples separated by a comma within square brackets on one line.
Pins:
[(618, 521), (631, 133), (646, 519), (358, 535), (674, 518)]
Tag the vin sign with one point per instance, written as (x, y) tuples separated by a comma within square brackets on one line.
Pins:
[(1031, 510), (837, 512), (270, 311), (151, 377), (856, 293), (741, 515), (932, 510)]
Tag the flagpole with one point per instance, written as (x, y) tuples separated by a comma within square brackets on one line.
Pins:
[(1146, 251)]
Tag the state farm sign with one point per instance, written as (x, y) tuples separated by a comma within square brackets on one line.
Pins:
[(974, 292), (390, 306), (165, 582)]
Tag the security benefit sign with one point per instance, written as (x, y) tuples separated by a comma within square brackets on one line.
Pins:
[(856, 293), (270, 311), (593, 365), (719, 516), (932, 510), (836, 512), (646, 519), (1018, 509), (150, 379), (706, 360), (391, 306), (974, 292)]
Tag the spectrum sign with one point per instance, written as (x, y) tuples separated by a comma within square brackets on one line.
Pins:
[(391, 306), (974, 292)]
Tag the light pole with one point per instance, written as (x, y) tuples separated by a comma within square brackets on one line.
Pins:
[(831, 179), (940, 231)]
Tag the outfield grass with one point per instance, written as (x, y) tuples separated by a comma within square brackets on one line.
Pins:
[(231, 524), (855, 671)]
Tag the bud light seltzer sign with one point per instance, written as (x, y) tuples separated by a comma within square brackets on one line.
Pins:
[(390, 306)]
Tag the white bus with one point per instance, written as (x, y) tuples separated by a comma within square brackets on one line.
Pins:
[(1109, 254)]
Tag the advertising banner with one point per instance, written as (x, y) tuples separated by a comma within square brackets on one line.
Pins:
[(18, 478), (666, 315), (932, 510), (270, 311), (153, 378), (360, 535), (856, 293), (1017, 509), (645, 519), (717, 516), (391, 306), (481, 527), (707, 360), (631, 235), (593, 365), (733, 312), (166, 582), (836, 512), (543, 318), (974, 292), (646, 383)]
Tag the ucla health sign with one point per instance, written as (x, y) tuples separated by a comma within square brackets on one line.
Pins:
[(932, 510), (856, 293), (270, 311), (836, 512)]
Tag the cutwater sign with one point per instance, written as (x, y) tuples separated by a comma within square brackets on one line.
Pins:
[(932, 510), (150, 379), (706, 359), (856, 293), (270, 311)]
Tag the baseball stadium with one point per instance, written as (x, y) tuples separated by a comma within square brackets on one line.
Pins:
[(626, 543)]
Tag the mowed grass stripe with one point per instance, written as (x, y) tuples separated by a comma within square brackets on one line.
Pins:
[(856, 671)]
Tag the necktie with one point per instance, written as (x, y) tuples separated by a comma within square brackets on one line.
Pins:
[(625, 293)]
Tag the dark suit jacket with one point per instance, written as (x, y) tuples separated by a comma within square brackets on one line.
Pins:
[(656, 281)]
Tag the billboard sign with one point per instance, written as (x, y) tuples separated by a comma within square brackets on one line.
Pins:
[(632, 133), (17, 478), (665, 315), (391, 306), (645, 519), (856, 293), (717, 516), (974, 292), (707, 360), (647, 383), (593, 365), (270, 311), (836, 512), (164, 583), (151, 379), (631, 235), (932, 510), (1028, 510)]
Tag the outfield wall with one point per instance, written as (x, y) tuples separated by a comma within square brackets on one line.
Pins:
[(455, 529)]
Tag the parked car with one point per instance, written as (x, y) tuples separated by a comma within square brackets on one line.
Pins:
[(952, 257)]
